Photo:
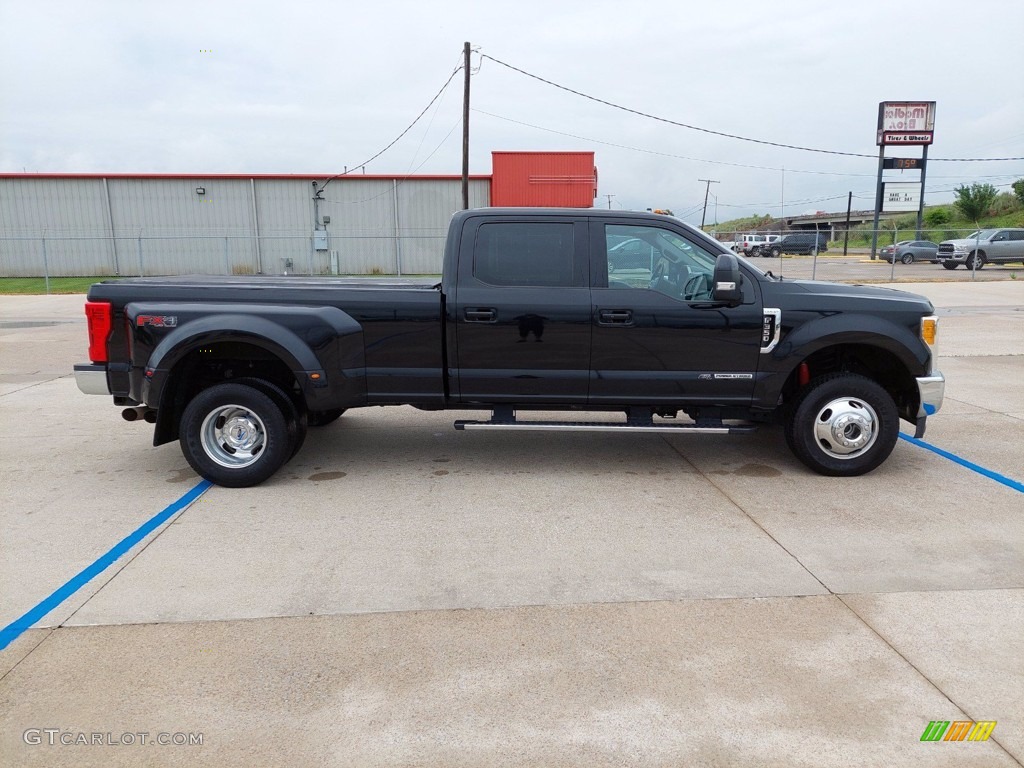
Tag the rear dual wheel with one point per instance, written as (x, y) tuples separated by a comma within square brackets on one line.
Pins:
[(239, 433)]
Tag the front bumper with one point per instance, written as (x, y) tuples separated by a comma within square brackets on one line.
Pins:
[(92, 379), (931, 389)]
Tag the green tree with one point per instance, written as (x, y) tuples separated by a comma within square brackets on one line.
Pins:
[(936, 217), (974, 201), (1018, 189)]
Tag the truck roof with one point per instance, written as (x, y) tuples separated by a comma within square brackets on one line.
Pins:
[(595, 212)]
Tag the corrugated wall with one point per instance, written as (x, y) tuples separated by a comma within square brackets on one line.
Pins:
[(556, 179), (69, 214), (182, 231), (161, 225)]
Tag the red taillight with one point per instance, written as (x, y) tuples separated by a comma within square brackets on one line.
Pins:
[(99, 316)]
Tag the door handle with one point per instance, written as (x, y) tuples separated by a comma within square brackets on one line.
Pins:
[(481, 315), (615, 316)]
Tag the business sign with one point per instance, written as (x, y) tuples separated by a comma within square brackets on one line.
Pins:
[(906, 122), (903, 163), (901, 196)]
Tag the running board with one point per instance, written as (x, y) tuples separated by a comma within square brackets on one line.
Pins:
[(599, 426)]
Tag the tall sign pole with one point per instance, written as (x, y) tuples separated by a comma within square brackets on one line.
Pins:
[(920, 207), (465, 127), (878, 200), (902, 123)]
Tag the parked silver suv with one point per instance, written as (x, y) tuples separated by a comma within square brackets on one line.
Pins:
[(987, 246)]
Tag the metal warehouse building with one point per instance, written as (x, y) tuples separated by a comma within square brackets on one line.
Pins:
[(119, 224)]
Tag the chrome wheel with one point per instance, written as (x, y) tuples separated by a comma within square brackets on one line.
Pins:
[(846, 428), (233, 436)]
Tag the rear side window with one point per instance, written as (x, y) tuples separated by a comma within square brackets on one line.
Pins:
[(1017, 234), (524, 254)]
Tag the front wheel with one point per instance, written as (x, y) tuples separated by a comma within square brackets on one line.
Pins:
[(234, 435), (907, 258), (776, 252), (949, 264), (975, 261), (842, 425)]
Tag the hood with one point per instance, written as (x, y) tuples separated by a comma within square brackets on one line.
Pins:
[(891, 297), (964, 241)]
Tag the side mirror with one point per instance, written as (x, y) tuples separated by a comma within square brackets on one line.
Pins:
[(728, 280)]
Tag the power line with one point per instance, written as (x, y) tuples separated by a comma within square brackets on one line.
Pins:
[(399, 136), (668, 154), (659, 153), (408, 175), (722, 133)]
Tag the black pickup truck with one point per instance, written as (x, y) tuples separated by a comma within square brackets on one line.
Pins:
[(527, 316)]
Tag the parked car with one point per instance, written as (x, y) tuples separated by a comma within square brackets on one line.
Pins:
[(909, 251), (764, 249), (750, 244), (630, 253), (987, 246), (800, 243)]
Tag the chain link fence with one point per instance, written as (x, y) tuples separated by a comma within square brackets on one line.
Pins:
[(148, 255), (902, 256)]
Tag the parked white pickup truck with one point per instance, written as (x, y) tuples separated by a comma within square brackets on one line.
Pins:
[(988, 246)]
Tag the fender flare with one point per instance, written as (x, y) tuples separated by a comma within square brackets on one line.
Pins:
[(836, 331)]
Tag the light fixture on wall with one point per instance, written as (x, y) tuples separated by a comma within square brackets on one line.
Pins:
[(200, 190)]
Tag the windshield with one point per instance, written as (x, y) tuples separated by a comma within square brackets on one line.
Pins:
[(984, 234)]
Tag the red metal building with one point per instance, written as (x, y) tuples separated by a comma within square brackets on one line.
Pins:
[(543, 179)]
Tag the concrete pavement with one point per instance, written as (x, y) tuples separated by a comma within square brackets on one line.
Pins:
[(403, 594)]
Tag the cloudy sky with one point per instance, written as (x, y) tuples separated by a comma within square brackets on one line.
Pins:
[(312, 87)]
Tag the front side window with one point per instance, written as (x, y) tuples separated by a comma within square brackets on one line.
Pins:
[(533, 254), (658, 259)]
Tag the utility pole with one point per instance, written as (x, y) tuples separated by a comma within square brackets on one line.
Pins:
[(609, 201), (707, 190), (465, 127), (846, 237)]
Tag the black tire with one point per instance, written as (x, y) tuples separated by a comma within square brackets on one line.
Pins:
[(298, 423), (776, 252), (907, 258), (234, 435), (837, 407), (975, 261), (949, 264), (323, 418)]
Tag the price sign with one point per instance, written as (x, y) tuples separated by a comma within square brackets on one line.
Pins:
[(903, 163)]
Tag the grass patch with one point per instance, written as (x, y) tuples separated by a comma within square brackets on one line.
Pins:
[(37, 285)]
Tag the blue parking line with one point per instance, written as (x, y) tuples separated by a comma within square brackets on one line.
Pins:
[(14, 630), (1008, 482)]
